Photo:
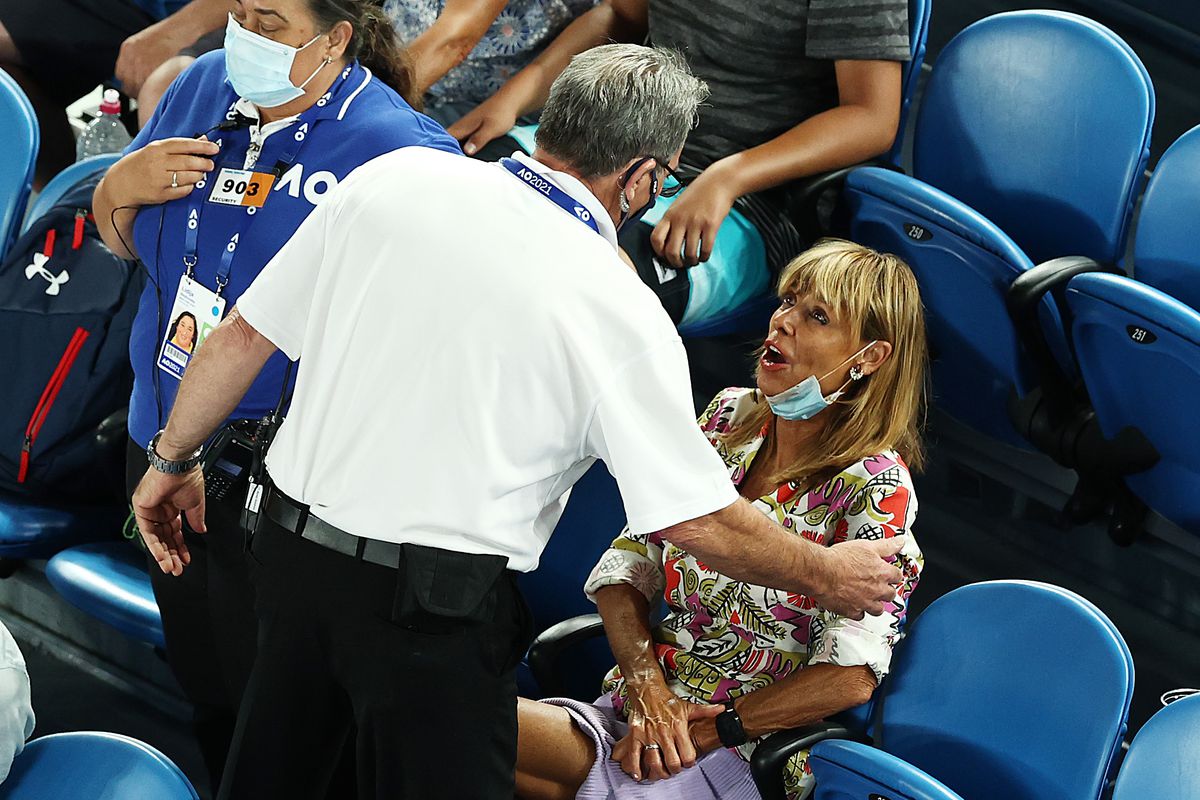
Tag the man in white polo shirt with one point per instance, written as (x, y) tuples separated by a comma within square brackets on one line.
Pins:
[(470, 344)]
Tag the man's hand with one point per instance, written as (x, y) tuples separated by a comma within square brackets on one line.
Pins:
[(685, 235), (157, 503), (489, 120), (658, 716), (859, 578), (141, 53)]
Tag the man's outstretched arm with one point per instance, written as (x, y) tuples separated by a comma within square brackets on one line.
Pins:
[(213, 385)]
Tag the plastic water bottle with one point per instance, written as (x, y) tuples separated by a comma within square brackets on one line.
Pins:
[(106, 133)]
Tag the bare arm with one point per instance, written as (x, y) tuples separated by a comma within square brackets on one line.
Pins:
[(609, 21), (214, 383), (738, 541), (217, 377), (655, 713), (452, 36), (807, 696), (861, 126), (142, 52)]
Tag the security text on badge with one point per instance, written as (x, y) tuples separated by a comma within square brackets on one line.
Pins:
[(241, 187)]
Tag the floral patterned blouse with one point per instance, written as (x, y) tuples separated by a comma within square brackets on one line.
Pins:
[(723, 638), (517, 36)]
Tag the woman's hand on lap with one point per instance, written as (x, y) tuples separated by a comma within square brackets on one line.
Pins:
[(658, 716)]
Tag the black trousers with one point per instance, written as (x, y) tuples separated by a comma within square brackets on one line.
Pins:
[(208, 620), (347, 649)]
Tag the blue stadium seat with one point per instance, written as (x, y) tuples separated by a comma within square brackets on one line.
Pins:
[(1164, 248), (109, 581), (753, 314), (1001, 690), (1030, 145), (65, 180), (32, 530), (1139, 354), (19, 140), (1163, 762), (88, 765)]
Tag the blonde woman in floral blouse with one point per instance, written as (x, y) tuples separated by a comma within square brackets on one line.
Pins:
[(823, 446)]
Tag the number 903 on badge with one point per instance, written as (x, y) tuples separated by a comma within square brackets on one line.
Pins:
[(241, 187)]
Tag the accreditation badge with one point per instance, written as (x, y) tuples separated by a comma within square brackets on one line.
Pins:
[(193, 316), (241, 187)]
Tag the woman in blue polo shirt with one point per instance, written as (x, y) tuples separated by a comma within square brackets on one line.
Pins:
[(242, 147)]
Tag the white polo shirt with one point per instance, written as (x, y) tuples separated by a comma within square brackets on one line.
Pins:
[(468, 349)]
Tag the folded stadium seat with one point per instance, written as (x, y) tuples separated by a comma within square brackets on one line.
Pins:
[(1029, 145), (1163, 762), (1001, 690), (1139, 354), (806, 194), (88, 765), (32, 530), (1164, 245), (19, 140), (554, 591), (69, 178), (109, 581)]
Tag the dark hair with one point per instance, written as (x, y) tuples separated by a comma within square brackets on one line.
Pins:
[(175, 326), (374, 42)]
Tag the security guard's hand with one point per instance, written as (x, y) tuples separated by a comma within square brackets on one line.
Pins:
[(487, 121), (157, 503), (144, 177), (858, 576)]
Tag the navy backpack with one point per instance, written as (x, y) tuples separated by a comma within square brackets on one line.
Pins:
[(66, 308)]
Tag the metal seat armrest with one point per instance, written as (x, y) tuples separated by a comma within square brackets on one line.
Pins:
[(773, 753), (1024, 301), (548, 647)]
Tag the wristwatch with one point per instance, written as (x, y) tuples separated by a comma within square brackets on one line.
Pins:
[(171, 467), (729, 727)]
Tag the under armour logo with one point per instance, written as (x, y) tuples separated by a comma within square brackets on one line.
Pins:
[(38, 267)]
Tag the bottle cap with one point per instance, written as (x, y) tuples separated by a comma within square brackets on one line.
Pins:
[(111, 104)]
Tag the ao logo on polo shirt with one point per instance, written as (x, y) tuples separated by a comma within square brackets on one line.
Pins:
[(314, 186)]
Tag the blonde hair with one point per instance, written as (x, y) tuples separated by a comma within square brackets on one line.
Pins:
[(878, 295)]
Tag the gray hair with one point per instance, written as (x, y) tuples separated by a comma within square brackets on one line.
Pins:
[(618, 102)]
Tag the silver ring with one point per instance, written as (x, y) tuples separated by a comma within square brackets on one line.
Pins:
[(174, 180), (652, 746)]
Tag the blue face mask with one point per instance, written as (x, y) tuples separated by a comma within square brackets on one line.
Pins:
[(628, 218), (804, 400), (260, 69)]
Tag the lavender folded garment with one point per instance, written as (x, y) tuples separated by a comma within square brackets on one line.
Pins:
[(719, 775)]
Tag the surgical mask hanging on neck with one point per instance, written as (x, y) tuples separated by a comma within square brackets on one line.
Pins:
[(805, 401), (260, 69), (626, 217)]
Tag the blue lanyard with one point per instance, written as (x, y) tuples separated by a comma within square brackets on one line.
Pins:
[(555, 195), (300, 132)]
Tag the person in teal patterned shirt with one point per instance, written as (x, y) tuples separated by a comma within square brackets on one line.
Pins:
[(823, 445)]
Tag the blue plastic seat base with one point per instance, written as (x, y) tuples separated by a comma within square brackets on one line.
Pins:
[(845, 770), (66, 180), (94, 766), (1139, 353), (33, 530), (109, 581)]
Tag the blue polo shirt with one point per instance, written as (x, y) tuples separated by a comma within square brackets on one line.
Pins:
[(360, 118)]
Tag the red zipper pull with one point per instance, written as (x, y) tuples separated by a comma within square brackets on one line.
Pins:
[(23, 471), (77, 237), (48, 250)]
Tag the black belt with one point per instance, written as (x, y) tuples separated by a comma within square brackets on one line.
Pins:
[(295, 517)]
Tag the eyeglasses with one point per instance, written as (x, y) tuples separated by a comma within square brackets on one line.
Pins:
[(673, 184)]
